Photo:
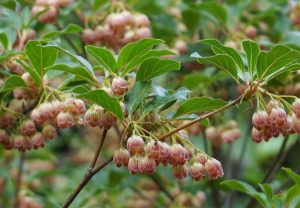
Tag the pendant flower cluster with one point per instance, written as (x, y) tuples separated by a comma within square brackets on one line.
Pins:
[(185, 160)]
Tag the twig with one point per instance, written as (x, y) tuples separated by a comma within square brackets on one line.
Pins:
[(90, 172), (87, 177), (273, 168), (232, 103), (161, 187), (93, 163), (19, 179)]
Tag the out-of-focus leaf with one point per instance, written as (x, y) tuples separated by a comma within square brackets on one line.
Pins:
[(104, 57), (214, 11), (154, 67), (100, 97), (294, 176), (267, 188), (199, 104), (4, 40), (293, 192)]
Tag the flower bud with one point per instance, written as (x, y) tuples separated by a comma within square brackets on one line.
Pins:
[(146, 165), (257, 135), (153, 149), (133, 165), (3, 136), (164, 152), (143, 32), (273, 104), (180, 171), (20, 93), (80, 106), (296, 107), (64, 120), (135, 145), (213, 169), (20, 142), (197, 171), (251, 32), (119, 86), (37, 140), (212, 132), (92, 118), (49, 131), (260, 119), (201, 158), (141, 20), (89, 36), (121, 157), (17, 105), (107, 119), (27, 128), (7, 120), (179, 155)]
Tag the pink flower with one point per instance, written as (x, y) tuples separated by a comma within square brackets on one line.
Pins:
[(213, 169), (121, 157), (135, 145)]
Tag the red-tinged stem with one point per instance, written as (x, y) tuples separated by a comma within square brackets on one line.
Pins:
[(232, 103)]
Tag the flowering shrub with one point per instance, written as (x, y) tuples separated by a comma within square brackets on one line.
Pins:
[(152, 79)]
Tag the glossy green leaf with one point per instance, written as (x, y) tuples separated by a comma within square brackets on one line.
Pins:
[(135, 95), (199, 104), (103, 56), (12, 82), (154, 67), (293, 192), (219, 48), (267, 188), (252, 51), (81, 72), (37, 78), (278, 57), (223, 62), (133, 54), (39, 56), (100, 97)]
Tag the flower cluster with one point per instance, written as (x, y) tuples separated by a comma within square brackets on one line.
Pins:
[(49, 9), (275, 121), (226, 133), (24, 129), (141, 158), (118, 29)]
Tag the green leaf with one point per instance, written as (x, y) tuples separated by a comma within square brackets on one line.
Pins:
[(219, 48), (71, 28), (81, 72), (4, 40), (26, 14), (288, 68), (267, 188), (133, 53), (12, 82), (293, 192), (245, 188), (83, 62), (162, 101), (294, 176), (213, 11), (278, 57), (100, 97), (40, 57), (104, 57), (199, 104), (223, 62), (154, 67), (135, 95), (252, 51)]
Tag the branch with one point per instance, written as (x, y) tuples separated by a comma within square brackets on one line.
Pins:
[(19, 179), (273, 168), (232, 103), (90, 172)]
